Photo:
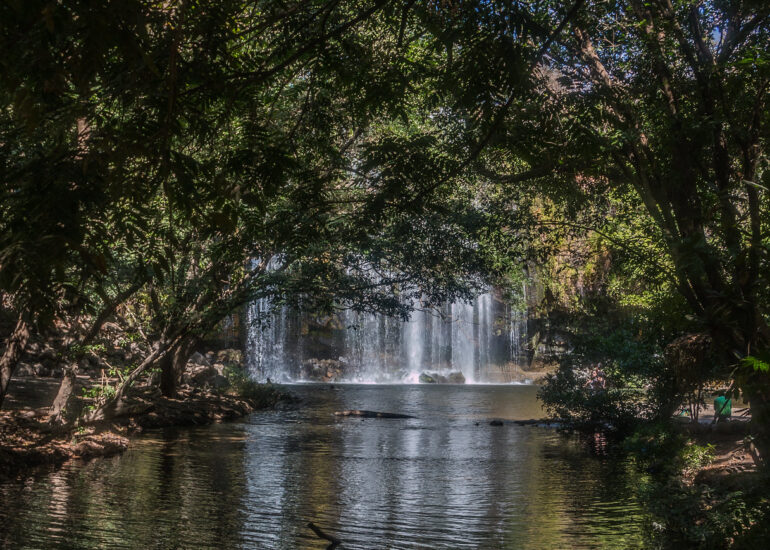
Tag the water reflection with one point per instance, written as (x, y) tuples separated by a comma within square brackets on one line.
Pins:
[(436, 481)]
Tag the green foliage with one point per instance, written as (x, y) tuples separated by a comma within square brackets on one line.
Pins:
[(618, 409), (698, 516), (97, 394), (686, 512), (192, 159), (197, 156), (630, 354), (658, 448), (696, 456), (634, 135), (756, 364), (77, 349), (370, 155)]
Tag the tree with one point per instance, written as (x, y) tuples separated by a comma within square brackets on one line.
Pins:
[(668, 100), (191, 143)]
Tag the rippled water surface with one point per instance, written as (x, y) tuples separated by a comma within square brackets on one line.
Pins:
[(445, 479)]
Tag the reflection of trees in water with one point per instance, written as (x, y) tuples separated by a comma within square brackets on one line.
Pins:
[(178, 492), (374, 484), (575, 498), (292, 478)]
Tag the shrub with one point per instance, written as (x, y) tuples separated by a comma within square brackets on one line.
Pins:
[(685, 513)]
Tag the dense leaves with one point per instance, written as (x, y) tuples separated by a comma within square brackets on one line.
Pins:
[(371, 155)]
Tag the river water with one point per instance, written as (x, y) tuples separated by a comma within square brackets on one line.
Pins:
[(445, 479)]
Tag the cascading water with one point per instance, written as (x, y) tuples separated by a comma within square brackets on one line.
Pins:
[(264, 352), (463, 343), (483, 340), (413, 335)]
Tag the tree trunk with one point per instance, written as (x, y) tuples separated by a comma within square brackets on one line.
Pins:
[(107, 409), (17, 342), (759, 403), (172, 367), (66, 389)]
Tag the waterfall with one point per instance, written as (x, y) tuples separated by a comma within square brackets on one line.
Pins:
[(483, 339), (265, 349), (517, 326), (414, 342), (367, 345), (485, 331), (268, 329), (463, 341)]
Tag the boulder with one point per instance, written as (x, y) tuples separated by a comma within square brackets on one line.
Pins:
[(41, 370), (438, 378), (322, 370), (314, 373), (455, 378), (24, 369), (201, 375), (199, 359), (229, 356), (402, 374), (196, 375), (218, 382)]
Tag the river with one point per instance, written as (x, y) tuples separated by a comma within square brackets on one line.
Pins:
[(445, 479)]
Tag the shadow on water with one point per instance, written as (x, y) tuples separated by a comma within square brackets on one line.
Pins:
[(445, 479)]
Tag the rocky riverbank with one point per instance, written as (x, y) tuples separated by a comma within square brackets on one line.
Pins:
[(28, 439)]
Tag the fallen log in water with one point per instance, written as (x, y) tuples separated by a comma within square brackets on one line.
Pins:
[(371, 414), (530, 422), (321, 534), (541, 422)]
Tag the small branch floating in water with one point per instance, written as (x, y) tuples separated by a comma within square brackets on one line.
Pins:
[(321, 534), (371, 414)]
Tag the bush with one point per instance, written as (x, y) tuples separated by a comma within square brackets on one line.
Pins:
[(702, 516), (685, 513), (617, 408), (638, 387)]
